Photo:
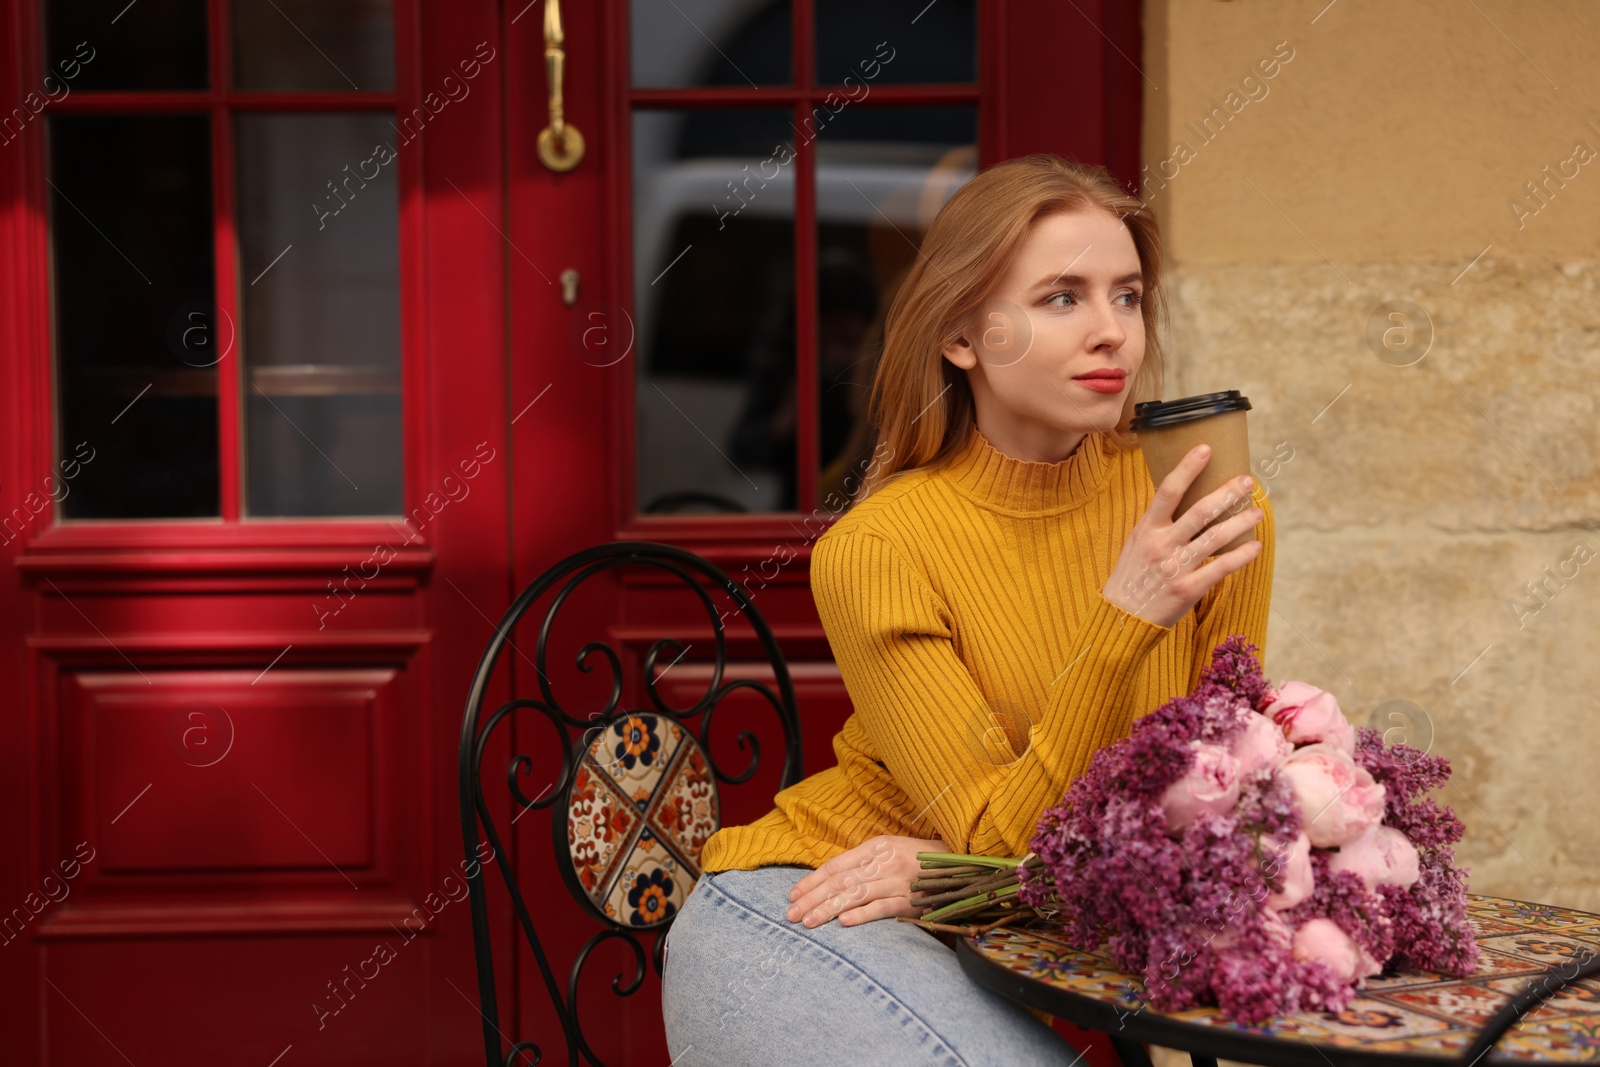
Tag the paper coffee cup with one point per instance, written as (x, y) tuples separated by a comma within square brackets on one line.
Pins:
[(1168, 429)]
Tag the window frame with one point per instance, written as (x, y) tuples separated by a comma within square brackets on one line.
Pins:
[(802, 95), (36, 340)]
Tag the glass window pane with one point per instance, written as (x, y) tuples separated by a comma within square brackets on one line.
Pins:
[(713, 216), (112, 44), (710, 42), (896, 42), (313, 44), (136, 381), (320, 279), (882, 174)]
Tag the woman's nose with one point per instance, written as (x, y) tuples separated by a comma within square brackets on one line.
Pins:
[(1108, 328)]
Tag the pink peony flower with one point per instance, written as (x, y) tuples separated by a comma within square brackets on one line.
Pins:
[(1279, 933), (1260, 744), (1309, 715), (1322, 939), (1210, 786), (1338, 799), (1294, 873), (1381, 856)]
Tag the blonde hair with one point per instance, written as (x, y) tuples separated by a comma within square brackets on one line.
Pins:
[(921, 404)]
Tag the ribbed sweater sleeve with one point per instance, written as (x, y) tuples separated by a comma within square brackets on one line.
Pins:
[(893, 639)]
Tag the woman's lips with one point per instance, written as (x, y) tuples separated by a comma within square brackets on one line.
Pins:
[(1102, 385)]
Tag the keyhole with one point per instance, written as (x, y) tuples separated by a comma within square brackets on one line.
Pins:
[(569, 287)]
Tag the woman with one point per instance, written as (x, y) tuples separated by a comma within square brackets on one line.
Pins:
[(1008, 593)]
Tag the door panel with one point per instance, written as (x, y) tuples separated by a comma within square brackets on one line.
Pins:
[(311, 738)]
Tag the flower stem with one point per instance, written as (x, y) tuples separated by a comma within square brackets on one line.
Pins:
[(972, 888), (966, 931), (972, 904), (952, 859)]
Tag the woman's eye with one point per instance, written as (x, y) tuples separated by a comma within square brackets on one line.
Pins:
[(1131, 298)]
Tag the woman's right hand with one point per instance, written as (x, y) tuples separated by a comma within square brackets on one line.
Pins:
[(1159, 575)]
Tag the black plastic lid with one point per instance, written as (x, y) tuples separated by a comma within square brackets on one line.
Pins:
[(1154, 413)]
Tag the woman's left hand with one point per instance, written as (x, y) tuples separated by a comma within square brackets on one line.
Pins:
[(871, 881)]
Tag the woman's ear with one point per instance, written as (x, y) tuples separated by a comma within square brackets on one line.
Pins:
[(961, 353)]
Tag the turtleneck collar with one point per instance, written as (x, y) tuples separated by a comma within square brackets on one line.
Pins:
[(1025, 487)]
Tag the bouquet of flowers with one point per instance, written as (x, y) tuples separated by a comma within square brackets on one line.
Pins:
[(1246, 846)]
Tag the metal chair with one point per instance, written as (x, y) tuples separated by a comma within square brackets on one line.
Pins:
[(635, 796)]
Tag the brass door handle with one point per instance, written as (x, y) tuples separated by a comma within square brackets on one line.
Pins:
[(560, 144)]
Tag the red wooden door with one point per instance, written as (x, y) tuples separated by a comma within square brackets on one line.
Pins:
[(756, 177), (253, 518)]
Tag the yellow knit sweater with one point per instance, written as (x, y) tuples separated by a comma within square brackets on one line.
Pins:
[(964, 609)]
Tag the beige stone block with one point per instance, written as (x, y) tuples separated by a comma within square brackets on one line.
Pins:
[(1398, 132), (1425, 617), (1495, 426)]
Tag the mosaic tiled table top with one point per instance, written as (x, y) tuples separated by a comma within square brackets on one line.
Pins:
[(1413, 1016)]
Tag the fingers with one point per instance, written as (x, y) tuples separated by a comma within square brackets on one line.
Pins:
[(860, 856), (855, 880), (1223, 532), (1225, 564), (811, 881), (842, 884), (886, 907), (842, 874), (1162, 590), (1186, 554), (1177, 482), (851, 897), (1228, 497)]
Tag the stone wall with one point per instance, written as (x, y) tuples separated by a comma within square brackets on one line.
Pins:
[(1319, 170)]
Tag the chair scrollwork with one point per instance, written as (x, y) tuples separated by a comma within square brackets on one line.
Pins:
[(641, 776)]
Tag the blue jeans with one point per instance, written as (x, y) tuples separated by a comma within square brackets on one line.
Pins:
[(744, 985)]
